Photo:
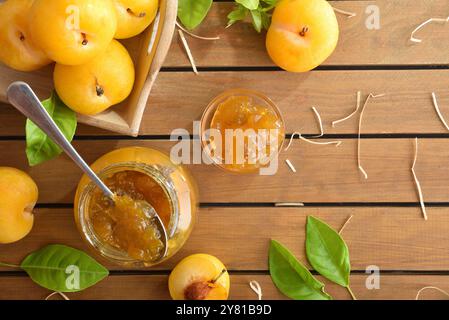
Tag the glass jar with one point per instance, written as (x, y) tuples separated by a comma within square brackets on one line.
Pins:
[(178, 187), (239, 107)]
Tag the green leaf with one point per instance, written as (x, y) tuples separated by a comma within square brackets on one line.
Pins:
[(257, 20), (327, 252), (249, 4), (192, 12), (291, 277), (237, 14), (39, 147), (64, 269)]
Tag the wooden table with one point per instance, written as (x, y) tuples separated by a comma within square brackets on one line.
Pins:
[(237, 216)]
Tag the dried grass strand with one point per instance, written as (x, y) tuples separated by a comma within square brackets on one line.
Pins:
[(195, 35), (188, 51), (320, 122), (290, 165), (289, 204), (359, 97), (345, 224), (417, 184), (416, 40), (346, 13), (371, 95), (433, 288), (437, 109), (337, 143), (55, 293), (255, 286)]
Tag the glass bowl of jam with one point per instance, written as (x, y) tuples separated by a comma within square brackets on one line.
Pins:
[(242, 131), (120, 233)]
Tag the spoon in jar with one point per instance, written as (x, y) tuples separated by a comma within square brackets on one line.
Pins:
[(22, 97)]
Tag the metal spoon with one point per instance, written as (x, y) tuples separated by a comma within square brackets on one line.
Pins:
[(22, 97)]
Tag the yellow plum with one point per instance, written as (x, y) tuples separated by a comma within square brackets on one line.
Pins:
[(134, 16), (302, 34), (199, 277), (18, 195), (18, 51), (72, 32), (95, 86)]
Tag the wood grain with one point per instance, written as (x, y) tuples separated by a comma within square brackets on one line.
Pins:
[(241, 46), (390, 238), (324, 173), (406, 108), (403, 287)]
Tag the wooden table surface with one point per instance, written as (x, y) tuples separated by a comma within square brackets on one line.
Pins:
[(237, 217)]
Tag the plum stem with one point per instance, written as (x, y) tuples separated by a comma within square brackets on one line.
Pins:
[(140, 15), (219, 276), (99, 89), (85, 42), (304, 31)]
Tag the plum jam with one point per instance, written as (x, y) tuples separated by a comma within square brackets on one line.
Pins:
[(126, 233), (124, 224), (250, 127)]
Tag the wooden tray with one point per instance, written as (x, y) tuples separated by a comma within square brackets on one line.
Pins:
[(148, 51)]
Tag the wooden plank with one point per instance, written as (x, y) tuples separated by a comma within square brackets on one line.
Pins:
[(240, 45), (401, 287), (325, 173), (390, 238), (406, 108)]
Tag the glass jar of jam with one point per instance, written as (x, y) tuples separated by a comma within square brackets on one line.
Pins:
[(122, 234), (242, 131)]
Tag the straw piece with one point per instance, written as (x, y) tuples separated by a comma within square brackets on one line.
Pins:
[(290, 165), (289, 204), (255, 286), (359, 95), (337, 143), (320, 123), (344, 224), (437, 109), (418, 185), (187, 48), (433, 288), (195, 35), (346, 13), (416, 40), (371, 95), (57, 292)]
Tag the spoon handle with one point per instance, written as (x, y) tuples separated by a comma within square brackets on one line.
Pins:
[(22, 97)]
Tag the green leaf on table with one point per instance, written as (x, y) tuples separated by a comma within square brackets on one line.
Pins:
[(327, 252), (291, 277), (238, 14), (192, 12), (63, 269), (39, 146), (260, 15), (249, 4), (257, 20)]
